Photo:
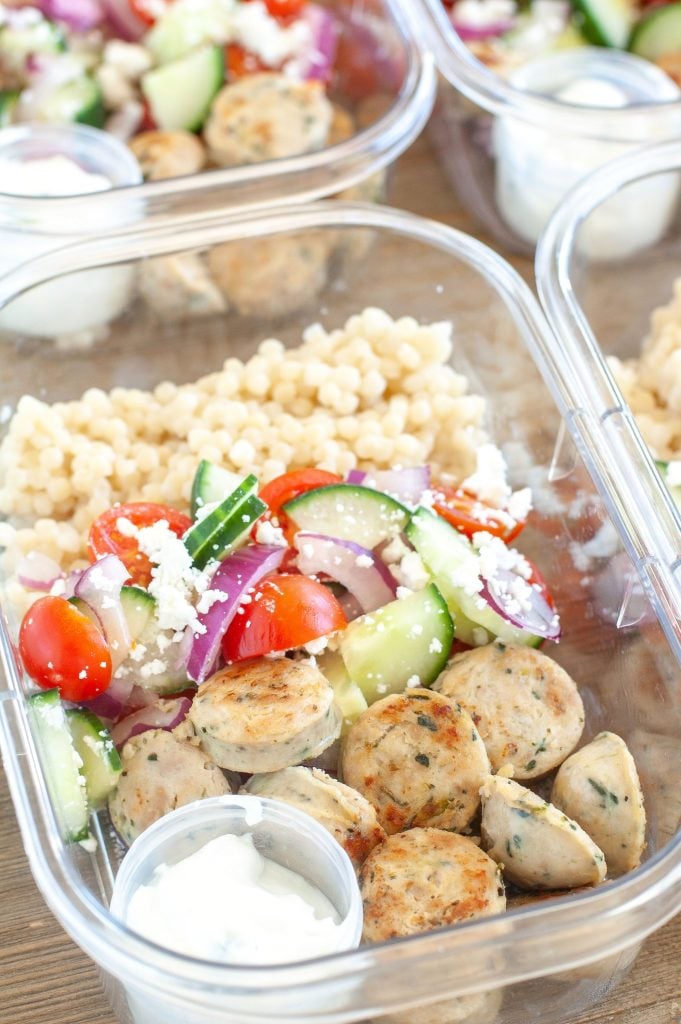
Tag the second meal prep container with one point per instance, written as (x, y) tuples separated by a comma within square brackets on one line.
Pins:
[(511, 150), (391, 106), (542, 963)]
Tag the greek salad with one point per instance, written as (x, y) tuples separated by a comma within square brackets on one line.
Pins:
[(191, 83), (505, 33), (377, 578)]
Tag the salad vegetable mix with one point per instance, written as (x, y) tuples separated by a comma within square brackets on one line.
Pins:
[(505, 33), (362, 643), (191, 83)]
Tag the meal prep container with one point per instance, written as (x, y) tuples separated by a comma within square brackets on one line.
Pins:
[(391, 118), (542, 963), (512, 154)]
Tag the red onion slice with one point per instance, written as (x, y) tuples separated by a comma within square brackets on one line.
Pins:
[(100, 587), (162, 714), (81, 15), (357, 568), (406, 485), (113, 702), (238, 573), (532, 613), (317, 64), (38, 571), (472, 33), (123, 21)]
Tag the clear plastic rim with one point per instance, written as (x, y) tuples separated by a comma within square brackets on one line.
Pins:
[(498, 96), (553, 263), (292, 179), (538, 940)]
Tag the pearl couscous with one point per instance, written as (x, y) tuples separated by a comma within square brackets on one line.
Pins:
[(652, 383), (376, 392)]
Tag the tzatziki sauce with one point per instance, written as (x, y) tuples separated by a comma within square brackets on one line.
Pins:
[(228, 903)]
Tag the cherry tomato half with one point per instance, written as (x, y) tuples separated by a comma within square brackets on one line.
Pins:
[(147, 11), (536, 579), (469, 515), (240, 62), (285, 612), (106, 539), (59, 646), (288, 486), (285, 10)]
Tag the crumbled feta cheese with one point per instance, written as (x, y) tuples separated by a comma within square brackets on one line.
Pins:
[(413, 681), (266, 532), (174, 579), (364, 561), (209, 598), (480, 636), (435, 646), (411, 572), (403, 592), (82, 674), (416, 630), (137, 652), (58, 588), (153, 668), (317, 646), (125, 527), (488, 482), (519, 505), (394, 551)]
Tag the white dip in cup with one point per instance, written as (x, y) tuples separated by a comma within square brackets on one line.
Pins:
[(40, 166), (175, 860), (537, 163)]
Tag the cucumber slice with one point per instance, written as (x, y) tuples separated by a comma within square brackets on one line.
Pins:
[(219, 532), (674, 489), (180, 94), (61, 764), (138, 607), (406, 641), (451, 560), (657, 33), (85, 609), (185, 27), (8, 102), (607, 22), (349, 512), (101, 764), (346, 693), (211, 483), (37, 37), (79, 100)]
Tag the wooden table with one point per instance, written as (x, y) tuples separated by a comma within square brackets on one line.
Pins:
[(46, 979)]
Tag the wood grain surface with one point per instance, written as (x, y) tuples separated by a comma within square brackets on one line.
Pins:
[(46, 979)]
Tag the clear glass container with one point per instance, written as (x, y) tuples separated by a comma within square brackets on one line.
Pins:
[(511, 146), (546, 960), (391, 107)]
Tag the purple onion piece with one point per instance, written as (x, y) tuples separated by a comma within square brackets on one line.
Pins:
[(473, 33), (100, 587), (80, 15), (355, 567), (539, 618), (237, 574), (112, 703), (324, 28), (38, 571), (162, 714), (123, 21), (406, 485)]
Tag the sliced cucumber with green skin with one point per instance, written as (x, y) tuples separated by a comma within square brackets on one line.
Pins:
[(450, 558), (607, 22), (219, 532), (406, 642), (8, 102), (211, 484), (657, 33), (40, 37), (346, 693), (445, 553), (101, 766), (674, 489), (61, 764), (180, 94), (138, 607), (348, 512), (85, 609), (184, 27), (79, 100)]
